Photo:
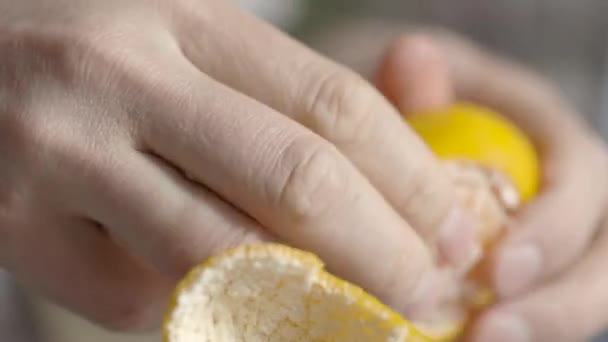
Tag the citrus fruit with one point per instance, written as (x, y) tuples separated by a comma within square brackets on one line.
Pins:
[(474, 133)]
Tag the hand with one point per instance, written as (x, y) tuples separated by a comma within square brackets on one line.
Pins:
[(549, 269), (139, 137)]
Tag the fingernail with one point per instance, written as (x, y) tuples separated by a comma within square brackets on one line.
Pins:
[(517, 268), (457, 241), (499, 327)]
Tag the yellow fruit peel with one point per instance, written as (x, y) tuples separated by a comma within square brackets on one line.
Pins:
[(470, 132), (271, 292)]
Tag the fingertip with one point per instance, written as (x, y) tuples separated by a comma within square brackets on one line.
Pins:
[(456, 239), (414, 74)]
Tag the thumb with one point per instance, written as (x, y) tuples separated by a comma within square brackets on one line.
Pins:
[(414, 75)]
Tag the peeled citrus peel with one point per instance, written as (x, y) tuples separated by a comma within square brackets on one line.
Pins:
[(271, 292), (473, 133)]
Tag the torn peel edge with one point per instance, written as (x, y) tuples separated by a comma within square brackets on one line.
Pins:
[(320, 277)]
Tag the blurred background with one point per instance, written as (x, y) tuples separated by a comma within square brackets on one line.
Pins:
[(565, 40)]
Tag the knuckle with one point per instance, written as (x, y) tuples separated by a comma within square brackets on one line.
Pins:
[(341, 107), (29, 135), (177, 96), (181, 94), (313, 179), (45, 52), (65, 57), (66, 51), (105, 58), (92, 54)]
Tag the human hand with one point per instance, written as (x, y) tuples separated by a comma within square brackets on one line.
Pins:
[(548, 269), (138, 138)]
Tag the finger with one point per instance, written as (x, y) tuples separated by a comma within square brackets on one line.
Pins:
[(528, 99), (155, 211), (339, 106), (553, 230), (414, 75), (573, 308), (75, 265), (291, 181)]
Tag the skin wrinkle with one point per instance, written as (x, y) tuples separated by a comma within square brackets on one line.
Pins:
[(275, 155), (341, 110), (305, 178)]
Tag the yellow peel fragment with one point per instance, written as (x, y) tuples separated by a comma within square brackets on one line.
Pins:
[(271, 292)]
